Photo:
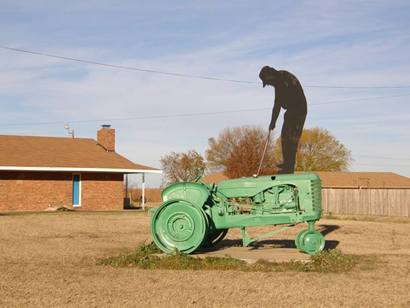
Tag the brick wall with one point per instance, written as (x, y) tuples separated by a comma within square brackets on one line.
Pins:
[(102, 191), (33, 191)]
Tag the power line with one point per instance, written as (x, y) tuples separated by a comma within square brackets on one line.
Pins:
[(182, 75), (386, 164), (125, 67), (141, 117), (194, 114), (382, 157), (359, 99)]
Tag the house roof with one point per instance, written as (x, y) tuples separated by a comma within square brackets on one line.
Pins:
[(363, 179), (62, 154), (345, 179)]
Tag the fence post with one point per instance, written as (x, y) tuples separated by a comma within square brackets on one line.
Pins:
[(143, 191)]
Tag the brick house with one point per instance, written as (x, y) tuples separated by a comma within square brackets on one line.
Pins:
[(41, 172)]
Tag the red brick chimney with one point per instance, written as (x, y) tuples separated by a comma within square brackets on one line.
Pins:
[(106, 138)]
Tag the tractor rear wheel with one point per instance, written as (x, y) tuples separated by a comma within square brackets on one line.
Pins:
[(178, 226), (214, 237)]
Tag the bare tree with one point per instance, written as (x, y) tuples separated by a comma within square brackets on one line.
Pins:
[(182, 167), (237, 152)]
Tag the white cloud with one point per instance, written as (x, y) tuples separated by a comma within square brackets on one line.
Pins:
[(307, 40)]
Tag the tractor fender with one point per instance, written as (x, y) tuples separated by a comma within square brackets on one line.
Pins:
[(195, 193)]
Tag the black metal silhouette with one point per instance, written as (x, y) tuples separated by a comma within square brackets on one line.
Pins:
[(289, 95)]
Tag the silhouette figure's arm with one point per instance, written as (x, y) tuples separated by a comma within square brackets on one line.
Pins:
[(275, 114)]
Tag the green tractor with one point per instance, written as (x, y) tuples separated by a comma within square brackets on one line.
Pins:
[(195, 214)]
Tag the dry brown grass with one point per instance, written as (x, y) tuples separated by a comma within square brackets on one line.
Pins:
[(394, 219), (50, 260)]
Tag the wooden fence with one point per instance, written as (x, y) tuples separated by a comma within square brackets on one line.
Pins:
[(366, 201), (345, 201), (151, 194)]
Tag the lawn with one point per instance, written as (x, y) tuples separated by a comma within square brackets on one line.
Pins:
[(52, 259)]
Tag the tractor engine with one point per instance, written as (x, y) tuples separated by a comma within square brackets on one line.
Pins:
[(281, 198)]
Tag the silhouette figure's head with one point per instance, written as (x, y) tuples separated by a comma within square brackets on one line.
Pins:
[(268, 75)]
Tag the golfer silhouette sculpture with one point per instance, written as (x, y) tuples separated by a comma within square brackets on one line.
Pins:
[(289, 96)]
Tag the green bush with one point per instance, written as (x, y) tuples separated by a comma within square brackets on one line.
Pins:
[(148, 256)]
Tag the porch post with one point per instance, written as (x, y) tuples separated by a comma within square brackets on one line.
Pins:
[(143, 191), (126, 185)]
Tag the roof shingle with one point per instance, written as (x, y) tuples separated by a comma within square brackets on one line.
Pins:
[(31, 151)]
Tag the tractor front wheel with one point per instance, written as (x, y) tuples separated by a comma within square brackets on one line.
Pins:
[(298, 237), (310, 241), (178, 225)]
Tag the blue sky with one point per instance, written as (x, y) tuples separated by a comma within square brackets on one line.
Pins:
[(337, 43)]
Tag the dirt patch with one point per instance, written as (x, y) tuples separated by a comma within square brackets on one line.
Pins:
[(50, 260)]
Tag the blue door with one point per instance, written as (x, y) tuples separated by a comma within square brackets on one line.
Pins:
[(76, 189)]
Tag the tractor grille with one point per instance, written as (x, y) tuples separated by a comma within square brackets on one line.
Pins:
[(316, 193)]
